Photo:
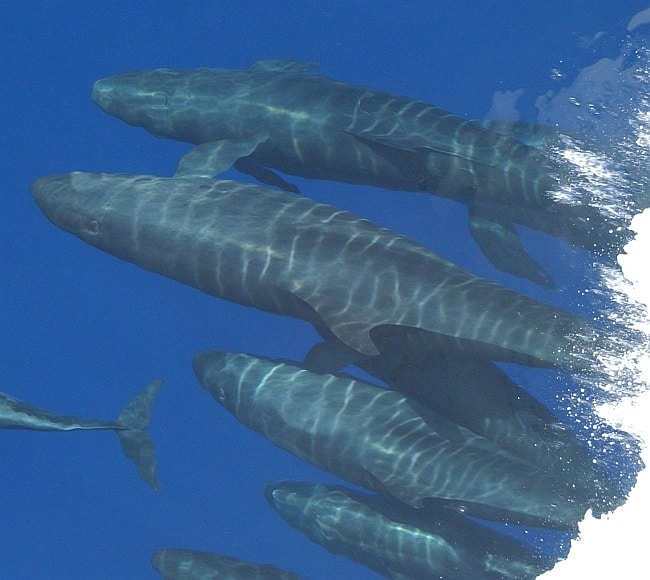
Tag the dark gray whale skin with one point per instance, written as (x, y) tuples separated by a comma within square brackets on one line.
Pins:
[(470, 391), (278, 115), (289, 255), (398, 541), (306, 124), (183, 564), (385, 442)]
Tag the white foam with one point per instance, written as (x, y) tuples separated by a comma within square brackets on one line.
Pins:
[(615, 545)]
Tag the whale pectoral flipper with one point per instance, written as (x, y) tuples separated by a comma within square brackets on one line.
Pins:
[(446, 429), (501, 245), (331, 357), (354, 334), (136, 442), (264, 175), (211, 159)]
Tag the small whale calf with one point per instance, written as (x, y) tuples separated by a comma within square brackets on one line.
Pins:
[(181, 564), (130, 426)]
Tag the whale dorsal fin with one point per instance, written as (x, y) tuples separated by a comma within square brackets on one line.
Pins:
[(215, 157)]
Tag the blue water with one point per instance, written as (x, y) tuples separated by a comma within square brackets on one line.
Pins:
[(82, 332)]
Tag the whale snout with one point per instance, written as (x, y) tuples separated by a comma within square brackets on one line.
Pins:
[(102, 93)]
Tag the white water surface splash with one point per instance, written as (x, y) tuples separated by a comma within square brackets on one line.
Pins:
[(602, 121), (607, 102), (615, 545)]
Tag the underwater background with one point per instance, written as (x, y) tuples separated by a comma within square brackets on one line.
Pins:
[(81, 332)]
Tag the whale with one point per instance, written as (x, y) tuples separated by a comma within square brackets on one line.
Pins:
[(292, 256), (280, 116), (184, 564), (398, 541), (473, 392), (387, 443), (130, 426), (477, 394)]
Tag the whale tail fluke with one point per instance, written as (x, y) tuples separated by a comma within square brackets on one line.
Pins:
[(136, 442)]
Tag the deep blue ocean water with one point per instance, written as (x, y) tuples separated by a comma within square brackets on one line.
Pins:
[(81, 332)]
